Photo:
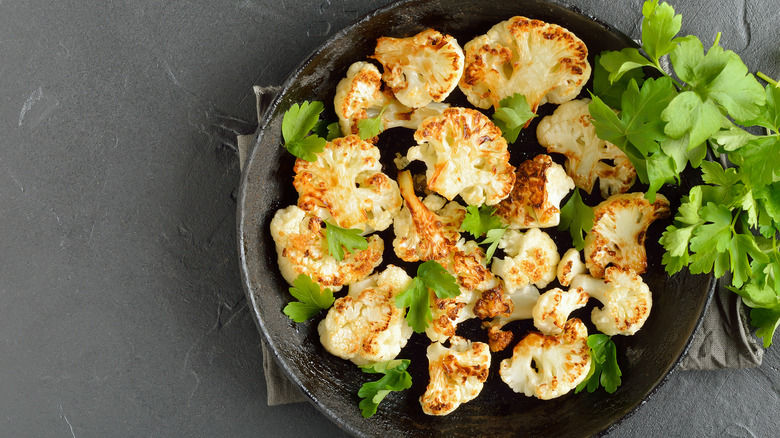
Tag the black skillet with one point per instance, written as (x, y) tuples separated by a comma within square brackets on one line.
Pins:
[(332, 383)]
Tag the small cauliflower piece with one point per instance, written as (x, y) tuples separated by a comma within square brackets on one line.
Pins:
[(465, 155), (493, 302), (532, 259), (420, 69), (365, 326), (302, 249), (619, 229), (543, 61), (360, 96), (428, 229), (540, 186), (447, 313), (569, 131), (553, 308), (626, 298), (523, 302), (569, 267), (457, 375), (467, 264), (548, 366), (346, 183)]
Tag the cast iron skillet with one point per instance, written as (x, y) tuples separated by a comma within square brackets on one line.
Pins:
[(332, 383)]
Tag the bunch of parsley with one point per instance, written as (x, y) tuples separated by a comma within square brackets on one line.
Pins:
[(668, 122)]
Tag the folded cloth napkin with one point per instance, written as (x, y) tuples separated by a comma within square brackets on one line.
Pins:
[(723, 340)]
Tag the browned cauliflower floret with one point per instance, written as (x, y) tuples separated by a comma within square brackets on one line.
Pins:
[(457, 375), (428, 229), (420, 69), (540, 186), (569, 267), (618, 234), (626, 298), (465, 155), (549, 366), (554, 306), (467, 264), (346, 183), (493, 302), (360, 96), (542, 61), (448, 313), (532, 258), (366, 326), (523, 302), (302, 249), (569, 131)]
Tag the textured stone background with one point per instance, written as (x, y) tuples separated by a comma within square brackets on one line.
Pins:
[(122, 307)]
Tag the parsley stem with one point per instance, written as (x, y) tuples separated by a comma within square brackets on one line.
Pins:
[(768, 79)]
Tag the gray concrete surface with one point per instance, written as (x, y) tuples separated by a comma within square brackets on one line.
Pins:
[(122, 307)]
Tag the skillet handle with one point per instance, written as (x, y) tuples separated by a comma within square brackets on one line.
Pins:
[(264, 97)]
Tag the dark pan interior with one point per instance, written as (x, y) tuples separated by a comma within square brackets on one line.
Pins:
[(332, 383)]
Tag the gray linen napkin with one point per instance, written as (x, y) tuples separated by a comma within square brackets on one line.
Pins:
[(723, 340)]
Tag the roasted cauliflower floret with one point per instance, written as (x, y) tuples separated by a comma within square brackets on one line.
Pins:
[(457, 375), (523, 302), (532, 258), (420, 69), (366, 326), (301, 249), (569, 131), (553, 308), (428, 229), (447, 313), (540, 186), (542, 61), (569, 267), (346, 183), (493, 302), (360, 96), (467, 264), (618, 234), (549, 366), (626, 298), (465, 155)]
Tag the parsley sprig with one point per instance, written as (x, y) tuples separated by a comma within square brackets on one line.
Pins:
[(482, 221), (665, 124), (512, 115), (430, 275), (604, 369), (342, 240), (311, 299), (576, 217), (395, 378), (297, 123)]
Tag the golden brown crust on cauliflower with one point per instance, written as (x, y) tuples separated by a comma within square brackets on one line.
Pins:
[(420, 69), (626, 300), (492, 303), (457, 375), (540, 185), (619, 229), (366, 326), (548, 366), (569, 131), (347, 182), (422, 234), (301, 249), (542, 61), (465, 155), (569, 267), (360, 96), (553, 308)]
